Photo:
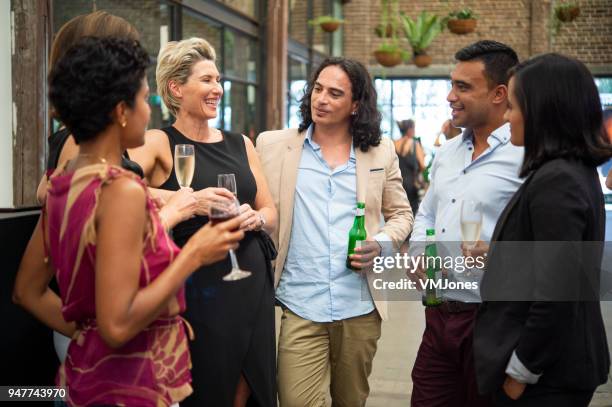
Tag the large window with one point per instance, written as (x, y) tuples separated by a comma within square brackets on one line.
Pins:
[(298, 71), (150, 17), (423, 100), (604, 85), (308, 46)]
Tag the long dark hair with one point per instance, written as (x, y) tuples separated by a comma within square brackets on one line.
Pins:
[(365, 124), (561, 110)]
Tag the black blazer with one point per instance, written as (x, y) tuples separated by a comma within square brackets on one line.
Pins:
[(534, 296)]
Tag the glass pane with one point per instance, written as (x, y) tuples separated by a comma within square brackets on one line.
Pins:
[(383, 90), (150, 17), (298, 16), (248, 7), (240, 110), (240, 57), (423, 100), (195, 25), (297, 83), (604, 85)]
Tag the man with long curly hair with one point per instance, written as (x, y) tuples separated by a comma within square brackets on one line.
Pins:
[(317, 174)]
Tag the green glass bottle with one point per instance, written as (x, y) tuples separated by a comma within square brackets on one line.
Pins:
[(433, 270), (357, 234)]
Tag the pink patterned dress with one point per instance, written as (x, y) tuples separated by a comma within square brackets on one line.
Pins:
[(153, 368)]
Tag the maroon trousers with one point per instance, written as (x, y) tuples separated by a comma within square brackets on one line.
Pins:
[(443, 373)]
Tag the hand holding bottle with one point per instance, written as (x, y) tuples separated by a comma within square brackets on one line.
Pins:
[(363, 258)]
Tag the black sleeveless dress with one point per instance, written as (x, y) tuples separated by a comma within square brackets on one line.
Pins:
[(233, 321), (409, 167)]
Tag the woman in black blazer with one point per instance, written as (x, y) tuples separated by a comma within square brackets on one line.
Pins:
[(539, 338)]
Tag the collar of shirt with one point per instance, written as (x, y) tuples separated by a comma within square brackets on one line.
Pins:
[(317, 148), (499, 136)]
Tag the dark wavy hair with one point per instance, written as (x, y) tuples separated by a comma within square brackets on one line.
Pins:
[(88, 82), (365, 125), (561, 110), (497, 58)]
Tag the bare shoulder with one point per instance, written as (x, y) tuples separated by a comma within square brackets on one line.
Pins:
[(156, 137), (123, 192)]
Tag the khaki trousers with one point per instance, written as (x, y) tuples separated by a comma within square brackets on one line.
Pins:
[(306, 350)]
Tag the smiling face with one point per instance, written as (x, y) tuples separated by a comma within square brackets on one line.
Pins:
[(331, 102), (470, 97), (201, 94), (514, 116)]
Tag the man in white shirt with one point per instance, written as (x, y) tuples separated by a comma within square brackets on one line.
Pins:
[(480, 165)]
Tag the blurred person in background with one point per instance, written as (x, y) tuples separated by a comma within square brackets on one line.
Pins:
[(411, 162)]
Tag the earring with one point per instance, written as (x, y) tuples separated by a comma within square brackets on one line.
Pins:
[(354, 113), (123, 124)]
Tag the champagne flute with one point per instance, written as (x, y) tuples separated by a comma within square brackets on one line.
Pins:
[(225, 210), (184, 164), (471, 224)]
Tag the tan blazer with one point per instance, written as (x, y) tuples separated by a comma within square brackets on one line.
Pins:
[(379, 185)]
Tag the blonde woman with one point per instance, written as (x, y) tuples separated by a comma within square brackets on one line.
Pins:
[(234, 348)]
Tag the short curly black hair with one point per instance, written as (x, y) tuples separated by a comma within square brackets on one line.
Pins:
[(497, 58), (365, 124), (90, 80)]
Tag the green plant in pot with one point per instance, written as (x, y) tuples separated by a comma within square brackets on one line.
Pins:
[(461, 21), (563, 13), (567, 12), (420, 33), (327, 23), (389, 19), (390, 54)]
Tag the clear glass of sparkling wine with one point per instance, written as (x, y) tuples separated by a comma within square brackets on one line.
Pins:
[(471, 223), (184, 164), (220, 211)]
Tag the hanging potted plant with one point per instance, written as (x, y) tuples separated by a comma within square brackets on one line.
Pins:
[(462, 21), (567, 12), (327, 23), (420, 33), (563, 13), (390, 54), (389, 15)]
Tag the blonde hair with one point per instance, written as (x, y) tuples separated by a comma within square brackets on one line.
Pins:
[(96, 24), (174, 63)]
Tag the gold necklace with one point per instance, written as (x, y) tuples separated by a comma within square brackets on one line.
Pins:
[(101, 159)]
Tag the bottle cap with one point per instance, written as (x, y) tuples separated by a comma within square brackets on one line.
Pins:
[(361, 205), (430, 232)]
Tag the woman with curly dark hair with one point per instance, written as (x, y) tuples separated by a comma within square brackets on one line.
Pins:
[(120, 275), (318, 174)]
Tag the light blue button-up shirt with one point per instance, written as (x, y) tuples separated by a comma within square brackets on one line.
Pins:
[(315, 283), (491, 179)]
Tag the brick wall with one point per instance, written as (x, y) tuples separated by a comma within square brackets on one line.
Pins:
[(522, 24)]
